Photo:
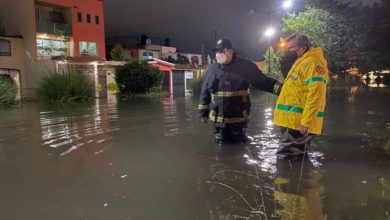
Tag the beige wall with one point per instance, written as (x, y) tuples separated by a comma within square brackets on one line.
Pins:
[(167, 50), (15, 61), (18, 19)]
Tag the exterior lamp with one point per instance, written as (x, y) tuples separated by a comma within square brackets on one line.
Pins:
[(287, 4)]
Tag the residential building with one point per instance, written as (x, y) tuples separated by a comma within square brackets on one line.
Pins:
[(53, 29), (12, 58)]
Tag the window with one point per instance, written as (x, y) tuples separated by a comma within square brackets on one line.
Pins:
[(89, 48), (147, 56), (5, 47), (97, 19), (79, 17), (49, 47), (88, 18)]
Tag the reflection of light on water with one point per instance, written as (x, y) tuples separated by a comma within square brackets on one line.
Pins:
[(315, 157), (175, 122), (264, 145), (189, 113), (375, 85), (170, 117), (268, 111), (250, 161), (352, 94), (70, 129), (354, 89)]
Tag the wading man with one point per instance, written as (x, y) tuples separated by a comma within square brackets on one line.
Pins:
[(225, 93), (300, 107)]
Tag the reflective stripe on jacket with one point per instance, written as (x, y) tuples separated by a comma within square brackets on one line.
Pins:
[(303, 96), (225, 95)]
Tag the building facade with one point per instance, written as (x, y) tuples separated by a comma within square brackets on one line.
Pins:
[(12, 58), (50, 30)]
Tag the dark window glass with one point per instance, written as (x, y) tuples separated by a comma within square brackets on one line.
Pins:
[(97, 19), (147, 56), (79, 17), (58, 17), (88, 18), (5, 47)]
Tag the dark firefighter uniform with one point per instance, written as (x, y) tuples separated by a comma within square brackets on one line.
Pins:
[(225, 97)]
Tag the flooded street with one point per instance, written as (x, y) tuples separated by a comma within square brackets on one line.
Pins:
[(149, 159)]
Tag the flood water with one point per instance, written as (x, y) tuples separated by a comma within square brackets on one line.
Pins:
[(147, 159)]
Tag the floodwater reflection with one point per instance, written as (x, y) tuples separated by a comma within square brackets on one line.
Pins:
[(152, 159), (68, 128)]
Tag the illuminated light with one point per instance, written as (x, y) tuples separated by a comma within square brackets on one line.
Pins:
[(287, 4), (269, 32)]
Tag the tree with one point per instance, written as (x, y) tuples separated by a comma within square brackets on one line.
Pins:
[(181, 59), (275, 69), (117, 53), (350, 36), (170, 59), (325, 30)]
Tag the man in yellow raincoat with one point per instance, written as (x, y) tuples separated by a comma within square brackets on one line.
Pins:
[(300, 107)]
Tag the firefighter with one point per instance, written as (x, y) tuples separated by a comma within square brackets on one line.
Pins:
[(300, 107), (225, 93)]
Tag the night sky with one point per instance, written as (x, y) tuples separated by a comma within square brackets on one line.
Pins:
[(191, 23)]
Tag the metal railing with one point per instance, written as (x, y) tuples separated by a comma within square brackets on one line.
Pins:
[(54, 28)]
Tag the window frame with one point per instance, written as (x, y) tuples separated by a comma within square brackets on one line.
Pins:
[(6, 53)]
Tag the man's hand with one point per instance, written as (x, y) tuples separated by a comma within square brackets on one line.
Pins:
[(304, 129), (204, 119)]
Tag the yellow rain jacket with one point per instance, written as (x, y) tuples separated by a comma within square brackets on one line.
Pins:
[(303, 96)]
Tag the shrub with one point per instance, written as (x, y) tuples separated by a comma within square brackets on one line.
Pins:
[(113, 87), (66, 87), (196, 85), (137, 78), (8, 91)]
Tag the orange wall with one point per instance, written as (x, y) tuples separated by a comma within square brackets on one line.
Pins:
[(90, 32)]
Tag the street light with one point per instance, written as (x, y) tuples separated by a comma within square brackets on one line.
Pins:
[(287, 4), (268, 33)]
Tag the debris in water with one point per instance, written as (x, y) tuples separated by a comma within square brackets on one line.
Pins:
[(123, 176)]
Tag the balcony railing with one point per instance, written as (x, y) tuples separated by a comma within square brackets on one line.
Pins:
[(54, 28)]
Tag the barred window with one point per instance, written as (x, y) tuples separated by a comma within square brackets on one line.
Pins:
[(5, 47)]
